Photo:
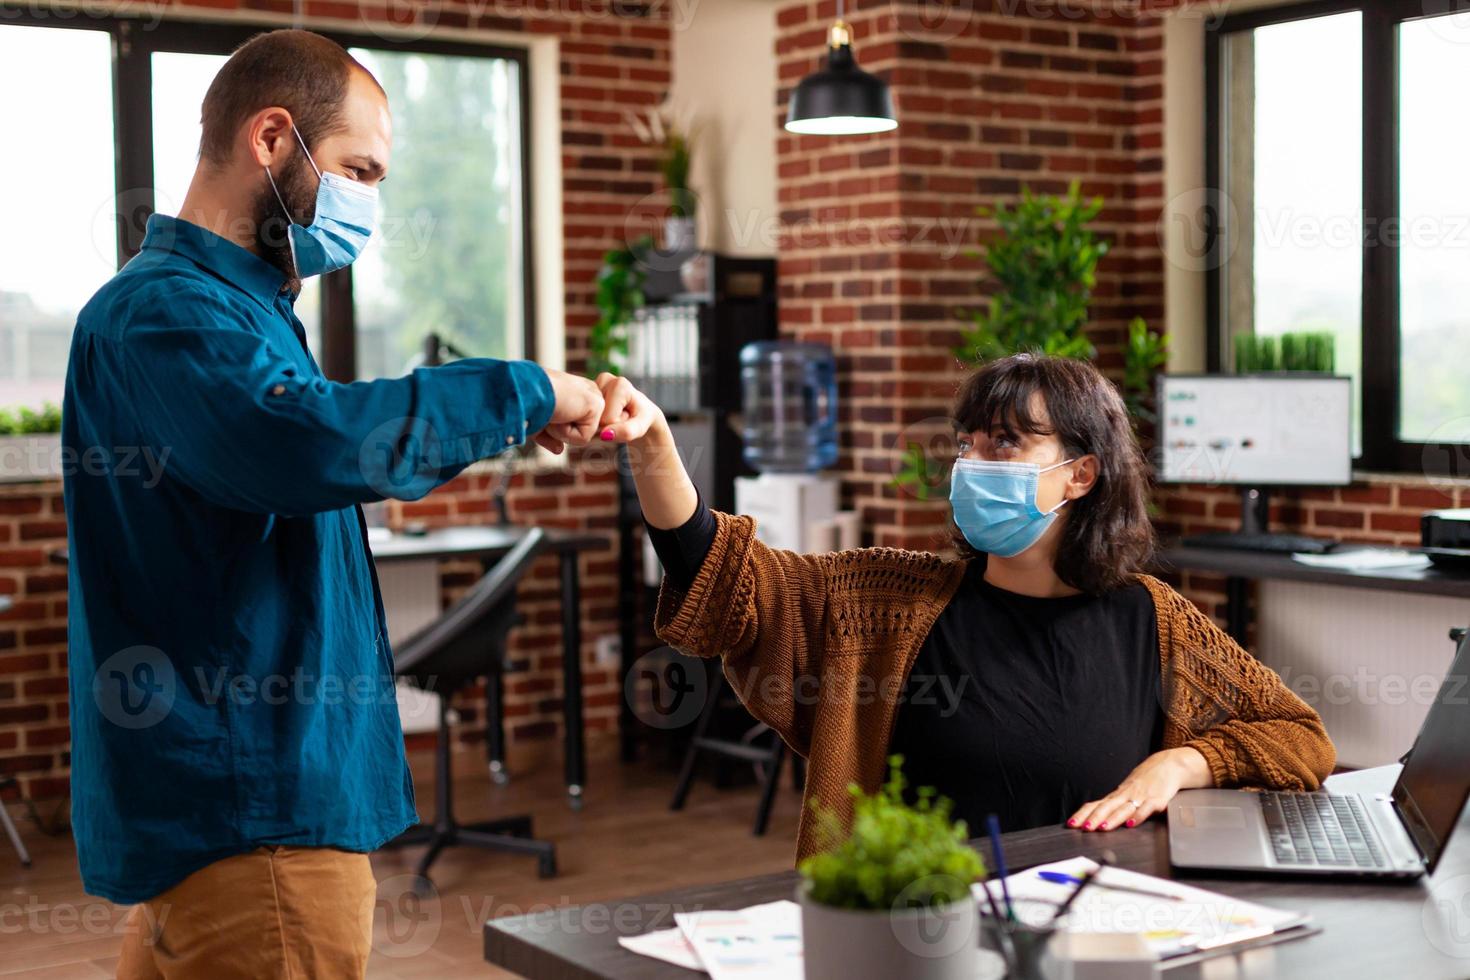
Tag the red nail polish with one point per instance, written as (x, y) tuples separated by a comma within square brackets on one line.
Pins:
[(1102, 826), (1071, 823), (607, 435), (1130, 823), (1087, 825)]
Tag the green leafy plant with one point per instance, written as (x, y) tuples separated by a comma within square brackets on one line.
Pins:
[(1295, 351), (619, 296), (1145, 353), (675, 140), (24, 421), (677, 158), (1044, 266), (894, 853)]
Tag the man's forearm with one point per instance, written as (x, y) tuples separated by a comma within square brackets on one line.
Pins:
[(664, 489)]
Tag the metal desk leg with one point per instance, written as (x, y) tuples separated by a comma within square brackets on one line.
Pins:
[(1238, 609), (571, 636)]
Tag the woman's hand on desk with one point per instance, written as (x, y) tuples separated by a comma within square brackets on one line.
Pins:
[(1147, 790)]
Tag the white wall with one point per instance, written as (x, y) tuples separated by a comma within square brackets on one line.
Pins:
[(724, 76)]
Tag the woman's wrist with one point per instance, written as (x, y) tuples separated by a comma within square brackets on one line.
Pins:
[(1194, 769), (664, 488)]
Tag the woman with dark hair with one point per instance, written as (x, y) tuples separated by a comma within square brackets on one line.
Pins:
[(1043, 676)]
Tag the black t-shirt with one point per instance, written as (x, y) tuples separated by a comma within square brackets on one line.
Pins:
[(1027, 707), (1018, 706)]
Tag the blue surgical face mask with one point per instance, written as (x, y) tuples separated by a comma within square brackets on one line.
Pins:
[(995, 505), (346, 214)]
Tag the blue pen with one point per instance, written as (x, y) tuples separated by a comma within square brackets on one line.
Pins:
[(992, 824), (1062, 878)]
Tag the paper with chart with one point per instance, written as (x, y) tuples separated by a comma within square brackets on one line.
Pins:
[(761, 941), (1201, 920)]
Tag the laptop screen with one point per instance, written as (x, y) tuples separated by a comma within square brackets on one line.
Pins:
[(1435, 783)]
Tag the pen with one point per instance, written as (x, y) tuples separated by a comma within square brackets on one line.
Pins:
[(1062, 878), (1107, 859), (992, 824)]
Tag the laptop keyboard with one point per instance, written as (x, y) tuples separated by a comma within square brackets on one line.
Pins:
[(1321, 830)]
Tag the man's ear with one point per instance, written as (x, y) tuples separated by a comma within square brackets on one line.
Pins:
[(268, 136), (1083, 479)]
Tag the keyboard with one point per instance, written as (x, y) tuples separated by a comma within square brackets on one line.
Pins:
[(1320, 830), (1277, 543)]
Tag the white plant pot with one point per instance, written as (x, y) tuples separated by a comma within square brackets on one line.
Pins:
[(915, 944), (25, 459)]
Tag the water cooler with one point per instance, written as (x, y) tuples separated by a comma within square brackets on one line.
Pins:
[(789, 430)]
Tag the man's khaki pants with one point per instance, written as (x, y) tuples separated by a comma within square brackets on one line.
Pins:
[(297, 912)]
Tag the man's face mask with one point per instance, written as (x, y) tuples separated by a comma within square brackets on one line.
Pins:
[(346, 216)]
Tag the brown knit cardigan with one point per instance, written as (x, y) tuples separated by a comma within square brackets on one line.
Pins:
[(819, 648)]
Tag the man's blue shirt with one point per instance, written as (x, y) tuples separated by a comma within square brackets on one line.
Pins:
[(231, 680)]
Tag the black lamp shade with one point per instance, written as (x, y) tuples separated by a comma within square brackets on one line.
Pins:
[(841, 100)]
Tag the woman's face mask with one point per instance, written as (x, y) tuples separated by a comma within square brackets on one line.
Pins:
[(994, 505)]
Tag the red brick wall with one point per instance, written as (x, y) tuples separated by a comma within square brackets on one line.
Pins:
[(614, 58)]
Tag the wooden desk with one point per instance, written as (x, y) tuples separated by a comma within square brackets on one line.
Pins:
[(487, 544), (1379, 931), (1239, 567)]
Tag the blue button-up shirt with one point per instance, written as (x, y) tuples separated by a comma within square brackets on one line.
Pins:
[(231, 680)]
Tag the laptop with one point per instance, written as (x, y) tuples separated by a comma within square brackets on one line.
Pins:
[(1401, 834)]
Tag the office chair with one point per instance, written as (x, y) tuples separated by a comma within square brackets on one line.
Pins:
[(20, 848), (768, 759), (466, 643)]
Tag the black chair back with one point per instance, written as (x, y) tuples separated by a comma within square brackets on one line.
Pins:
[(451, 651)]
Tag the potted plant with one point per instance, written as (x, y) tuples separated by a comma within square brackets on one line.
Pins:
[(891, 897), (1300, 351), (675, 142), (30, 444)]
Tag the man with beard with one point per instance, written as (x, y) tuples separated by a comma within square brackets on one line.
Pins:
[(236, 749)]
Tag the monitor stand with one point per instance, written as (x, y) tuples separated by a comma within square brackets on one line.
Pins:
[(1255, 517)]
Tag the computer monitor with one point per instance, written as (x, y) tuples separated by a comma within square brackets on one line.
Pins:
[(1256, 430)]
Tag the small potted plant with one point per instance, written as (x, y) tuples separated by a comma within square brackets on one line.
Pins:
[(892, 897), (30, 444)]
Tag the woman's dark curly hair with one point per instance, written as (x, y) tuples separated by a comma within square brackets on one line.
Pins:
[(1108, 538)]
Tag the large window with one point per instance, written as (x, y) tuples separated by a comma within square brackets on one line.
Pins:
[(1343, 209), (56, 193), (119, 106)]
